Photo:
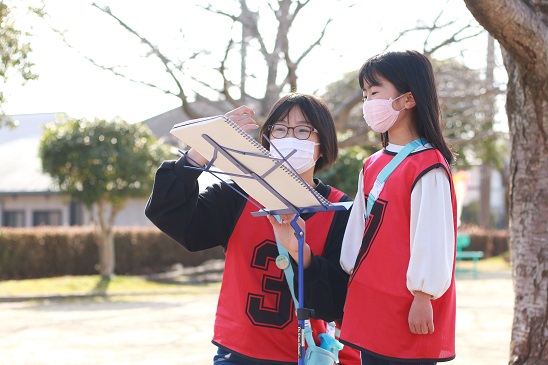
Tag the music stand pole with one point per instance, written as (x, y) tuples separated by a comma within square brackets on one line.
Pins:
[(302, 313)]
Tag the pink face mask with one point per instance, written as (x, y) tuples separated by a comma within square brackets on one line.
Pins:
[(379, 114)]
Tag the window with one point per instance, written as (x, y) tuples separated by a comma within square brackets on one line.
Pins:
[(13, 218), (46, 218), (76, 213)]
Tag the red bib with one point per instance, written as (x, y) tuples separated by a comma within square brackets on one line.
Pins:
[(255, 313), (378, 300)]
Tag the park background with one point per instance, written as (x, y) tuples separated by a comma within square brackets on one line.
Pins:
[(90, 64)]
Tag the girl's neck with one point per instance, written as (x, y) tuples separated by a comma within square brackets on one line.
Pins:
[(403, 132), (308, 177), (402, 140)]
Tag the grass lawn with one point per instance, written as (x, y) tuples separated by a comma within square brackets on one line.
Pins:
[(94, 284), (85, 285), (497, 263)]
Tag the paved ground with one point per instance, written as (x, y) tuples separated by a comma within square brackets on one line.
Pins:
[(176, 329)]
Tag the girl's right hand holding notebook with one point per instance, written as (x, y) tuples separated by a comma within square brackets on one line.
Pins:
[(242, 116)]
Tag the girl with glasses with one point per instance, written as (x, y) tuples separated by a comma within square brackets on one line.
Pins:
[(255, 321)]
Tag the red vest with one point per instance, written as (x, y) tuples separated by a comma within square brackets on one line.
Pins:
[(255, 313), (378, 301)]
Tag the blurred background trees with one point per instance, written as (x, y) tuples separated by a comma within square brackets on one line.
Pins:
[(14, 47), (101, 164), (249, 53), (265, 49), (261, 50)]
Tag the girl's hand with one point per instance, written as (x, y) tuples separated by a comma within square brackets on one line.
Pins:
[(286, 236), (421, 316), (243, 117)]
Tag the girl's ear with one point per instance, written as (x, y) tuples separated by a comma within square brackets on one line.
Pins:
[(409, 100)]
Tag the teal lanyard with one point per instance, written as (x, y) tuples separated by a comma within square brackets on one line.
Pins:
[(283, 262), (389, 169), (327, 342)]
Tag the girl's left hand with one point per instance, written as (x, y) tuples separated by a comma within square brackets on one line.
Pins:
[(286, 236), (421, 315)]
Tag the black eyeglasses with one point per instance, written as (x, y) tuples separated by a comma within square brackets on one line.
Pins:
[(278, 130)]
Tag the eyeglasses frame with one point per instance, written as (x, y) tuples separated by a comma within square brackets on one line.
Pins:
[(293, 128)]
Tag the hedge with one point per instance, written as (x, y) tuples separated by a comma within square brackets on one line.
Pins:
[(491, 242), (57, 251)]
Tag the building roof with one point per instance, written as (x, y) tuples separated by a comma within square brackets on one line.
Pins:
[(161, 124), (20, 165)]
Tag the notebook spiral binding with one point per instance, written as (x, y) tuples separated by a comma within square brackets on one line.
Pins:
[(265, 152)]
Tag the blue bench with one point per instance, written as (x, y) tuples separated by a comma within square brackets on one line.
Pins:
[(463, 240)]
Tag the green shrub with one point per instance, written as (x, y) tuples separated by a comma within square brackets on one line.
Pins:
[(55, 251), (27, 253), (491, 242)]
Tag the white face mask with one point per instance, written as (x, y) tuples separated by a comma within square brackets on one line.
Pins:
[(379, 114), (303, 159)]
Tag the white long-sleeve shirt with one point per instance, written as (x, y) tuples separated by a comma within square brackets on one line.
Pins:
[(431, 235)]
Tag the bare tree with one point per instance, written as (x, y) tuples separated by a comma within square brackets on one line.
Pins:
[(462, 94), (521, 28), (281, 66), (279, 63), (464, 97)]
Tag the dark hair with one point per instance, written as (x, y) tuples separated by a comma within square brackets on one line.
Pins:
[(317, 114), (411, 71)]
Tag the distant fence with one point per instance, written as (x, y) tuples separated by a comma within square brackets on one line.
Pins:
[(56, 251)]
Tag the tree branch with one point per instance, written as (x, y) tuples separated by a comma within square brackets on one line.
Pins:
[(111, 69), (360, 138), (226, 83), (527, 44), (315, 44), (342, 112), (155, 51)]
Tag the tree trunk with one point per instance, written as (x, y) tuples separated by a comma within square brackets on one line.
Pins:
[(243, 57), (106, 239), (106, 253), (485, 195), (521, 29), (486, 168), (528, 217)]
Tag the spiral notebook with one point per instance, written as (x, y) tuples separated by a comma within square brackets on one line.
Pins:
[(264, 177)]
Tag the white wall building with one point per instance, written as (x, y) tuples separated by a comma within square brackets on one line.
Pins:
[(28, 197)]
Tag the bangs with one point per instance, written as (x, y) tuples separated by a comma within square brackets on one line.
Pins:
[(282, 110), (369, 75)]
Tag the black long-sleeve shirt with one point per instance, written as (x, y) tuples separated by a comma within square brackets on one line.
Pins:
[(199, 220)]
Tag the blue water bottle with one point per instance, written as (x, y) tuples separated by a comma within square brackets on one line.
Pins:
[(329, 342)]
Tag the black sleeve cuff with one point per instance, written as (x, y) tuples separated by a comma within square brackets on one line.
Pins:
[(310, 273), (187, 175)]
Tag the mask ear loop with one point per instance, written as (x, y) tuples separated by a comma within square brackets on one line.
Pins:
[(400, 97), (321, 155)]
